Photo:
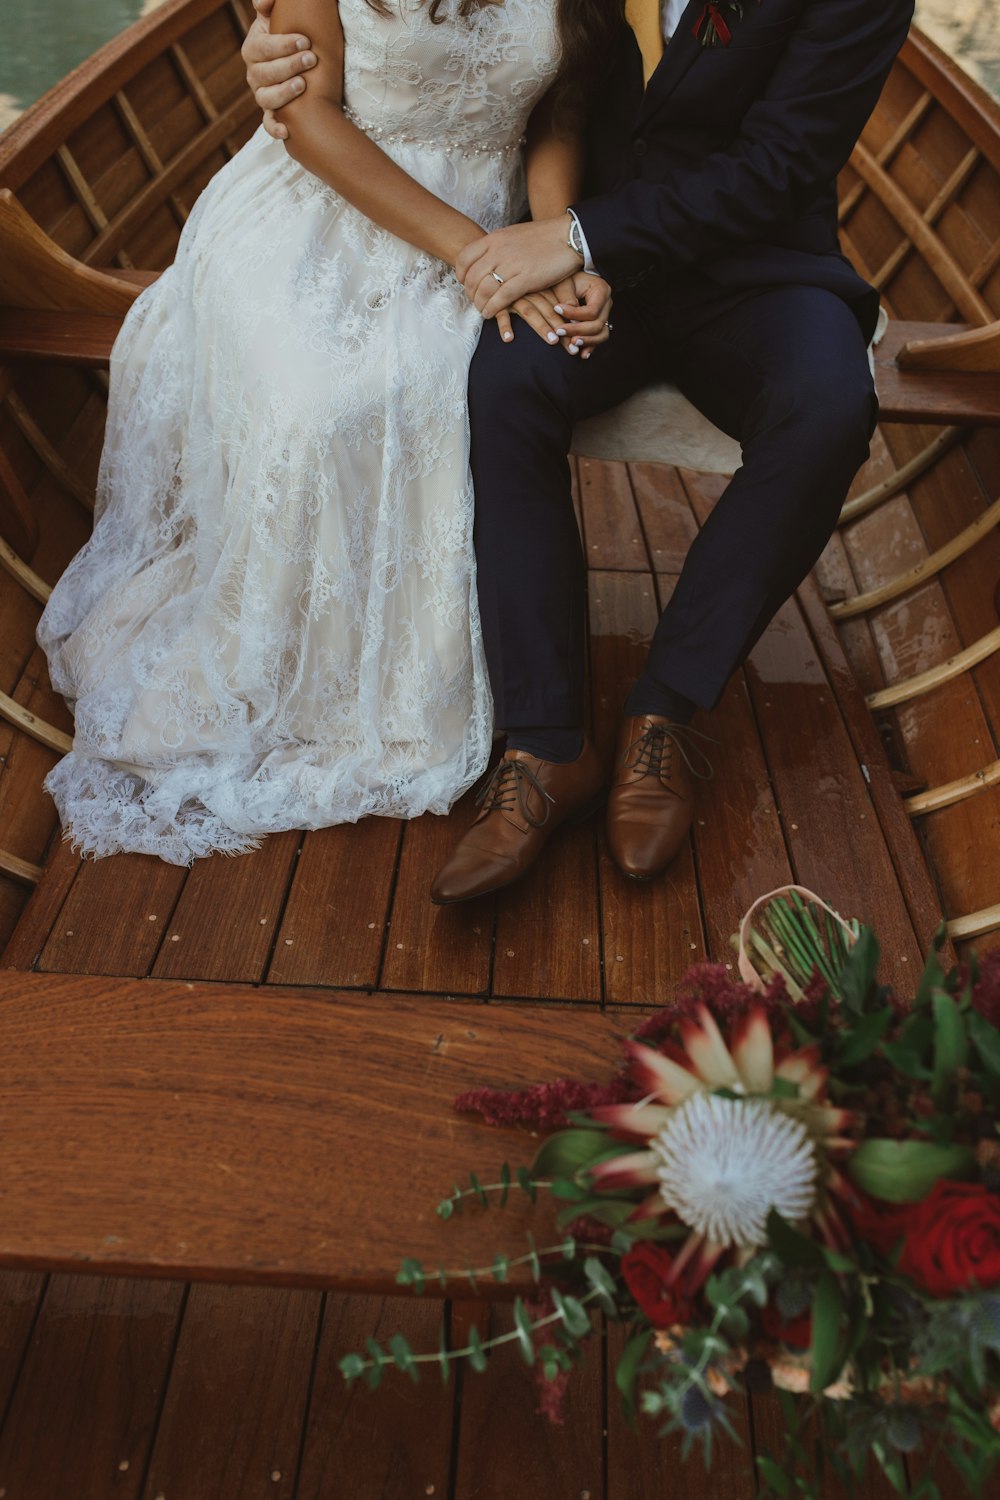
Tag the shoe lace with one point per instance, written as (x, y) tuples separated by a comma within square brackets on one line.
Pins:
[(509, 785), (657, 741)]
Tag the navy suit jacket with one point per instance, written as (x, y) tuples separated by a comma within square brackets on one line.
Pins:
[(727, 163)]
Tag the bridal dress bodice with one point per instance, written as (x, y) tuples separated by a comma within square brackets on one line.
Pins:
[(275, 623)]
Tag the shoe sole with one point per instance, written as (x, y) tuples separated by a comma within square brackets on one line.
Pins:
[(580, 816)]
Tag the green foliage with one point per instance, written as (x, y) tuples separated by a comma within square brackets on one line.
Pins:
[(627, 1371), (905, 1171), (570, 1151)]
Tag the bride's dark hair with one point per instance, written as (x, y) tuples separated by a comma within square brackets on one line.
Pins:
[(586, 31)]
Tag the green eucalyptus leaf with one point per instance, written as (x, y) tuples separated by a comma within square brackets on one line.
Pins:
[(576, 1319), (477, 1358), (351, 1367), (444, 1361), (526, 1184), (627, 1371), (522, 1323), (402, 1354), (905, 1171), (501, 1265), (504, 1183), (827, 1316)]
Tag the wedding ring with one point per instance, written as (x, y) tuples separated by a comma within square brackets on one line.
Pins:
[(496, 278), (609, 326)]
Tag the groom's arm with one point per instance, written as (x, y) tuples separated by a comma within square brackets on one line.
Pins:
[(276, 65), (794, 139)]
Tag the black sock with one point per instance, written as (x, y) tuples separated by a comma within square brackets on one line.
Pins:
[(555, 744), (651, 697)]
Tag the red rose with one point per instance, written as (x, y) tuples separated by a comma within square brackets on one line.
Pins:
[(881, 1225), (954, 1240), (795, 1332), (647, 1270)]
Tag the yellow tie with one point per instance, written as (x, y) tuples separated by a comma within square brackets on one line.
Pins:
[(644, 18)]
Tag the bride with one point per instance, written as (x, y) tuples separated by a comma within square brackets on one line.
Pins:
[(274, 624)]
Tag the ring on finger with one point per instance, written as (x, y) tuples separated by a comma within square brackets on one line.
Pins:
[(497, 278)]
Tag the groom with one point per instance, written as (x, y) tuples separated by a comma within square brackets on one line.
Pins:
[(710, 205)]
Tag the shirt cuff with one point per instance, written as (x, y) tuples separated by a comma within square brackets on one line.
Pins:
[(588, 262)]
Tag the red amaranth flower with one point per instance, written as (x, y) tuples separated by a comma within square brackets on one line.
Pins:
[(542, 1106)]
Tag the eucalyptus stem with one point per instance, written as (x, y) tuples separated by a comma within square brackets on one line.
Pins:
[(482, 1347)]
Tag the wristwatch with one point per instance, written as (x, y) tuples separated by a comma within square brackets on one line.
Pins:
[(574, 238)]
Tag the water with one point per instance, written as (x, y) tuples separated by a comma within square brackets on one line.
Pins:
[(41, 40)]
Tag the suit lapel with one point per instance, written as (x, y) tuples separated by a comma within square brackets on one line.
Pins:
[(681, 51)]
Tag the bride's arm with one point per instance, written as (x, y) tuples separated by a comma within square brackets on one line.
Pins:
[(553, 163), (325, 142)]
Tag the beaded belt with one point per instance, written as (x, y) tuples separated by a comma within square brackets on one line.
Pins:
[(461, 148)]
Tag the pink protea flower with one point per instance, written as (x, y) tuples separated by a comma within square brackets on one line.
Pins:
[(726, 1134)]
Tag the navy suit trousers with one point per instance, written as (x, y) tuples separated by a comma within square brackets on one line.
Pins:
[(784, 370)]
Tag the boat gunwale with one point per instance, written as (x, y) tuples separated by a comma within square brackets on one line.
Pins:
[(27, 144)]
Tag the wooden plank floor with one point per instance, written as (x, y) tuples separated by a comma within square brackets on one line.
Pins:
[(164, 1392)]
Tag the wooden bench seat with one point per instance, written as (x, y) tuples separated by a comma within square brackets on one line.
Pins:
[(300, 1138)]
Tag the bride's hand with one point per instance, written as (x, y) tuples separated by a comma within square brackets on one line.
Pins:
[(273, 65), (585, 304)]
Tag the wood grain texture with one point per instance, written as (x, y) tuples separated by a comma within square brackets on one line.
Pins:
[(243, 1354), (333, 927), (223, 925), (392, 1444), (114, 917), (447, 949), (84, 1411), (651, 930), (566, 1460), (261, 1135)]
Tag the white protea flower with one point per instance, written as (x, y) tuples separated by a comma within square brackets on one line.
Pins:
[(724, 1143), (724, 1164)]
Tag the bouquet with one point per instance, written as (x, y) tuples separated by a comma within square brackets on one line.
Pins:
[(792, 1185)]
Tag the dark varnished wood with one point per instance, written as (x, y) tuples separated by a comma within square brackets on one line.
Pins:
[(393, 1444), (48, 338), (135, 1110), (243, 1354), (333, 927), (97, 1367)]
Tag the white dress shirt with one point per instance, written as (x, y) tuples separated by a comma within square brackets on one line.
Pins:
[(670, 13)]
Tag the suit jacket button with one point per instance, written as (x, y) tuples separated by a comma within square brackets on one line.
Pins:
[(640, 147)]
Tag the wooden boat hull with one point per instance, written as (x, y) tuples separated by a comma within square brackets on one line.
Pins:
[(207, 1390)]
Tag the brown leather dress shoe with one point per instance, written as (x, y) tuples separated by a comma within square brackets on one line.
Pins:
[(651, 807), (523, 802)]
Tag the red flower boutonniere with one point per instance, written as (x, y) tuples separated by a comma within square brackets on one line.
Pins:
[(711, 28)]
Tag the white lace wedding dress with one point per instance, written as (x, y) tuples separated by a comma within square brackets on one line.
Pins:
[(275, 622)]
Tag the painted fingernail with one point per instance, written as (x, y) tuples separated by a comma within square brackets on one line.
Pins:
[(579, 342), (561, 332), (552, 338), (574, 348), (507, 337), (585, 354), (559, 310)]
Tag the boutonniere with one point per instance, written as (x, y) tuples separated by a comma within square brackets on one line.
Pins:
[(712, 28)]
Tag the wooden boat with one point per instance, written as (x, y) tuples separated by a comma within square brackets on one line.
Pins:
[(858, 752)]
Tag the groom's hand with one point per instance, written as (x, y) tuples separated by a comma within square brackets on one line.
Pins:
[(512, 263), (274, 67)]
